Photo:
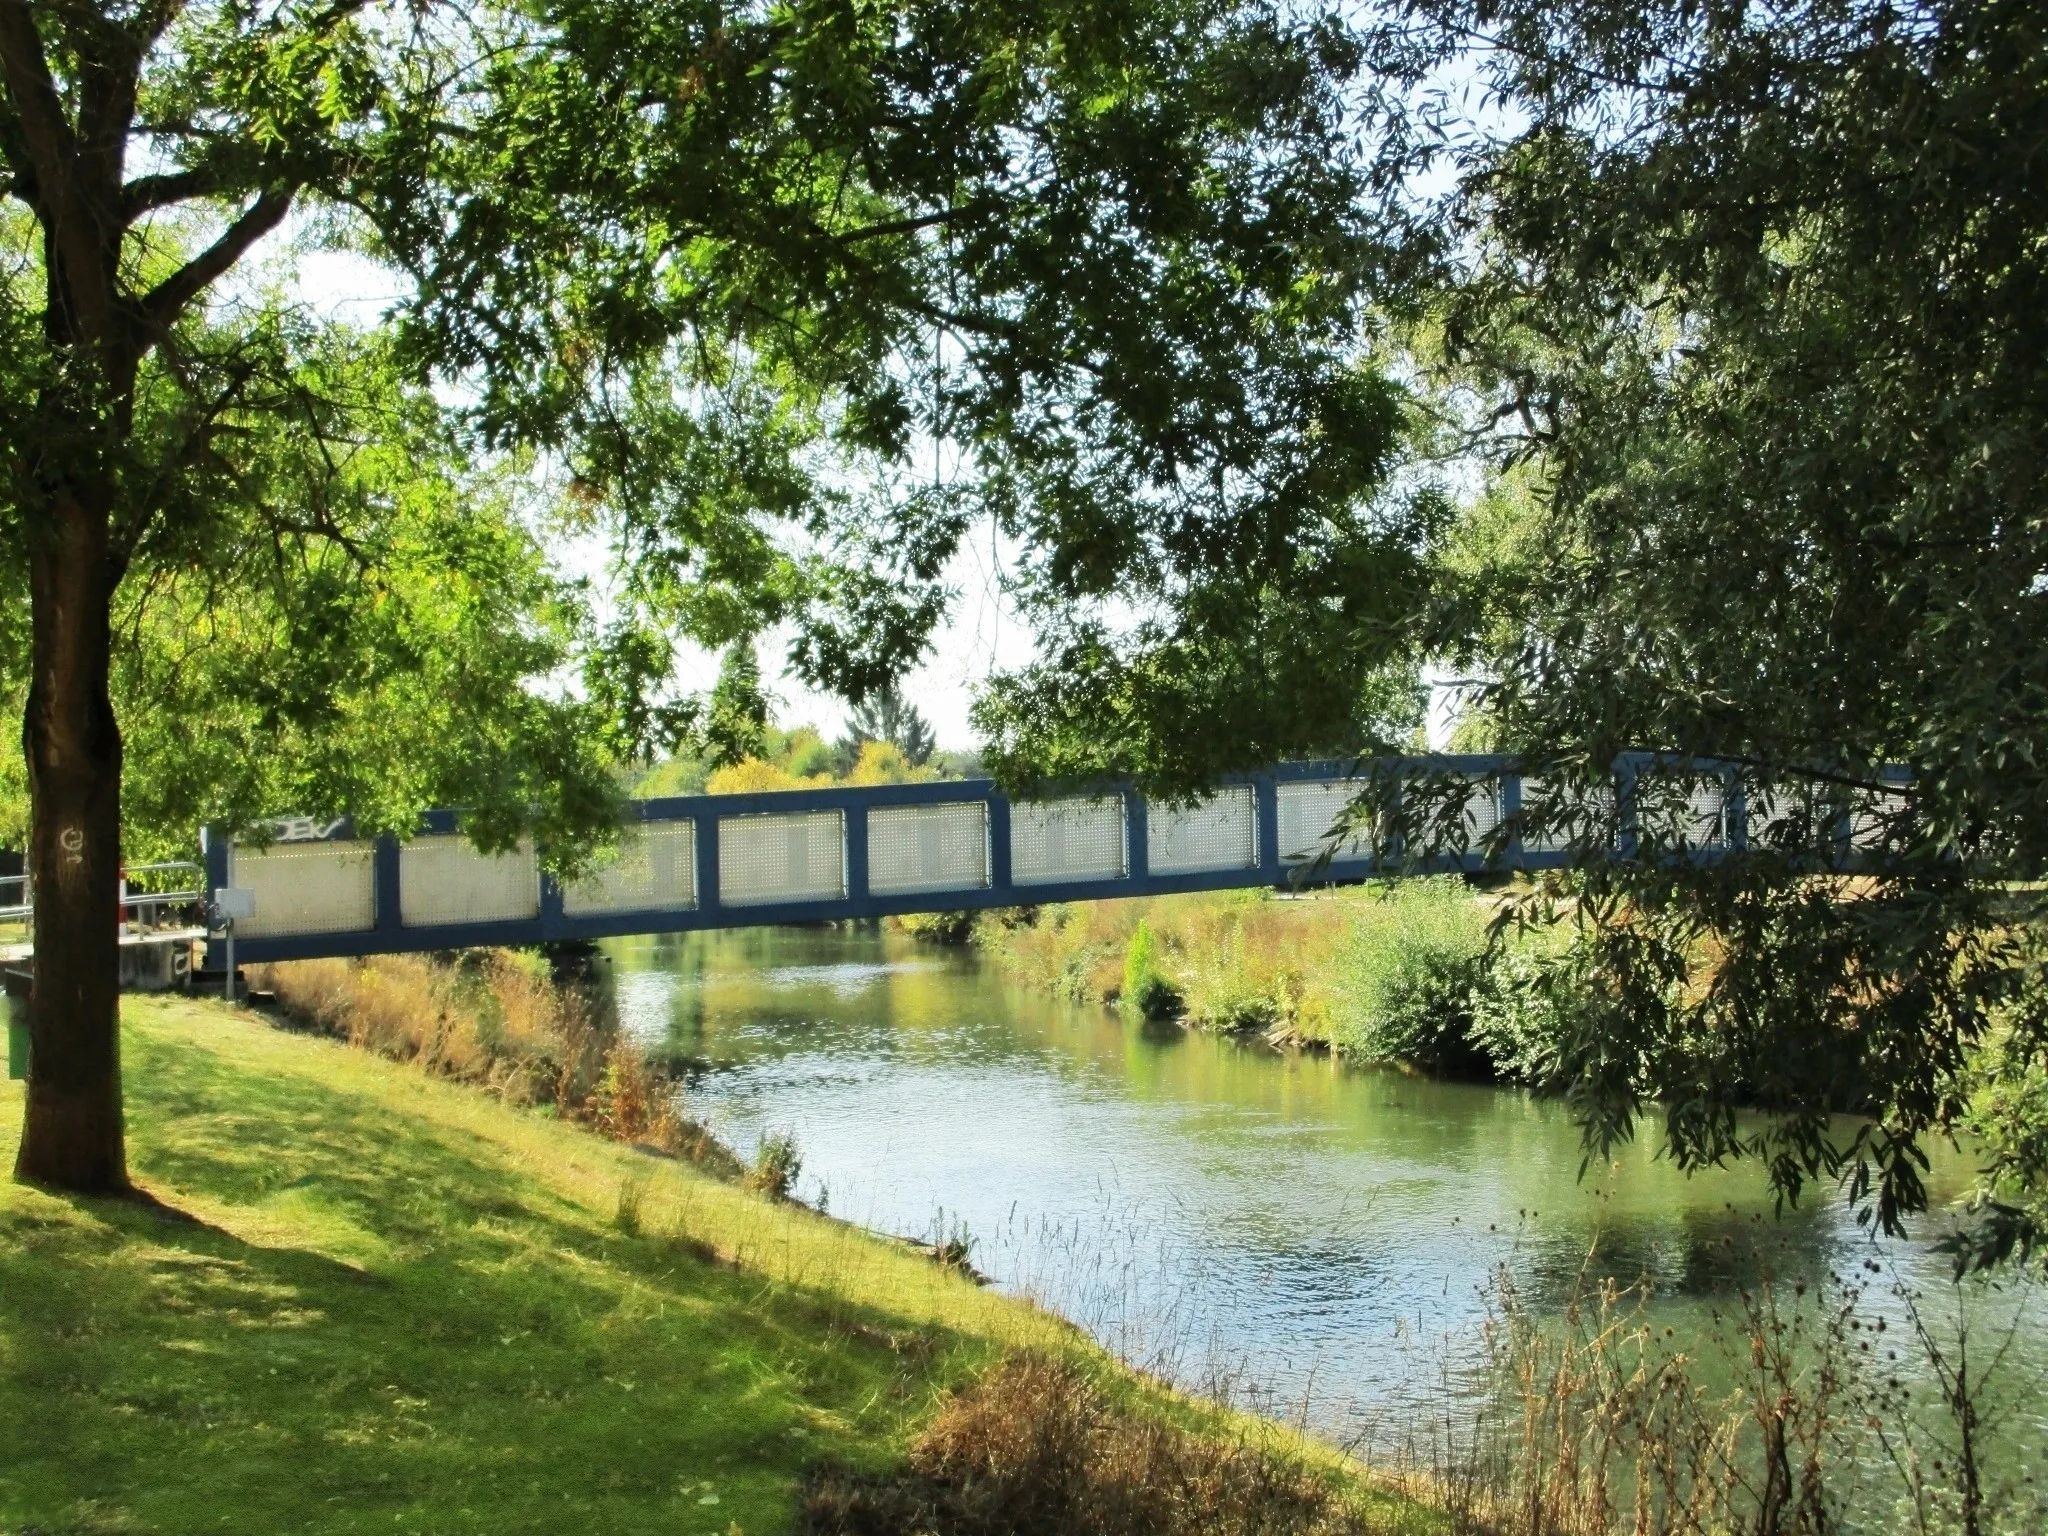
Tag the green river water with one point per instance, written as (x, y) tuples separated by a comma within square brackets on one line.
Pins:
[(1327, 1241)]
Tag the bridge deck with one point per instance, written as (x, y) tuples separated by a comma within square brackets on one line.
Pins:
[(722, 861)]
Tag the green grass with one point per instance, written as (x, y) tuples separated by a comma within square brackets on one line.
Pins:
[(388, 1303)]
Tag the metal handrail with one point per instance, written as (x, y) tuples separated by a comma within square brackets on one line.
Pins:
[(131, 900)]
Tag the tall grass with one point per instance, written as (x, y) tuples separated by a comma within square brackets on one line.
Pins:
[(1036, 1446), (1790, 1420), (501, 1021), (1235, 960)]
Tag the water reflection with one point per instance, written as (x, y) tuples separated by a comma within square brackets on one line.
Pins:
[(1206, 1205)]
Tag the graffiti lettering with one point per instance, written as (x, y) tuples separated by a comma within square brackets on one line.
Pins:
[(304, 829)]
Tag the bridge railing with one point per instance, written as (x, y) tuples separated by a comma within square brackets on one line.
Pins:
[(149, 897), (710, 861)]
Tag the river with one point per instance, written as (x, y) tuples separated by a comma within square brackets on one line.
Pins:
[(1326, 1241)]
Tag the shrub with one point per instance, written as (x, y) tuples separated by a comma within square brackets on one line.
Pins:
[(1037, 1447), (1423, 1015), (938, 927), (751, 776), (1522, 1010), (1146, 989), (1417, 958), (883, 762), (777, 1163)]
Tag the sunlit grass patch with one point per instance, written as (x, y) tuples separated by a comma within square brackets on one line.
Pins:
[(393, 1305)]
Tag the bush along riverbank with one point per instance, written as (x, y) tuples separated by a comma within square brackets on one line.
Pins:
[(1416, 974), (361, 1295), (1406, 974)]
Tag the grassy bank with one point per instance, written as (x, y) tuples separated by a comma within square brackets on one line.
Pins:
[(1389, 973), (371, 1298)]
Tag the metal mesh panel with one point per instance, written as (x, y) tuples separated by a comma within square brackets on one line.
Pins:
[(1871, 823), (799, 857), (1707, 809), (325, 887), (1307, 809), (1772, 816), (1665, 820), (1221, 832), (1587, 820), (1783, 816), (656, 872), (1482, 815), (1059, 840), (445, 880), (928, 847)]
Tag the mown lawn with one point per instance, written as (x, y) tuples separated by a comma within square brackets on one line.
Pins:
[(388, 1304)]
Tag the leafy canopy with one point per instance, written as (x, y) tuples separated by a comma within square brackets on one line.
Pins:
[(1757, 315), (737, 269), (331, 608)]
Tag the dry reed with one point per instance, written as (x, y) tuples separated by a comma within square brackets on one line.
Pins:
[(501, 1022), (1036, 1448), (1598, 1425)]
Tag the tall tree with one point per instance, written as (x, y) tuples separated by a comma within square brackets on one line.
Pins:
[(1758, 306), (736, 714), (729, 263), (1751, 305), (886, 715)]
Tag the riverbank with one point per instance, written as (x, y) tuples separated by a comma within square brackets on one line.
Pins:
[(1402, 974), (366, 1298)]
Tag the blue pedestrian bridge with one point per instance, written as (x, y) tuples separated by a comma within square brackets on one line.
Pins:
[(314, 889)]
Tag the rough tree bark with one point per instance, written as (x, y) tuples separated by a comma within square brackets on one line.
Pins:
[(66, 159), (72, 1134)]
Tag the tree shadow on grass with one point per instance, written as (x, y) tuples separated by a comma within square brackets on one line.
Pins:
[(393, 1330)]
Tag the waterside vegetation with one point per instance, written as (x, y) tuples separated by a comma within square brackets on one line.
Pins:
[(1409, 974), (502, 1021), (1440, 978)]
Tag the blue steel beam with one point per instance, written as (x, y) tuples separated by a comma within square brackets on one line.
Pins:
[(388, 934)]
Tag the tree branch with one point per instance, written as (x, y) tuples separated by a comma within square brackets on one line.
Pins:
[(85, 275), (908, 226), (107, 72), (38, 109), (21, 172), (160, 191), (163, 303)]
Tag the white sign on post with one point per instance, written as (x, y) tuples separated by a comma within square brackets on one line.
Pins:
[(233, 904)]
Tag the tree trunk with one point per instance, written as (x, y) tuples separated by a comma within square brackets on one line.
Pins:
[(72, 1138)]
